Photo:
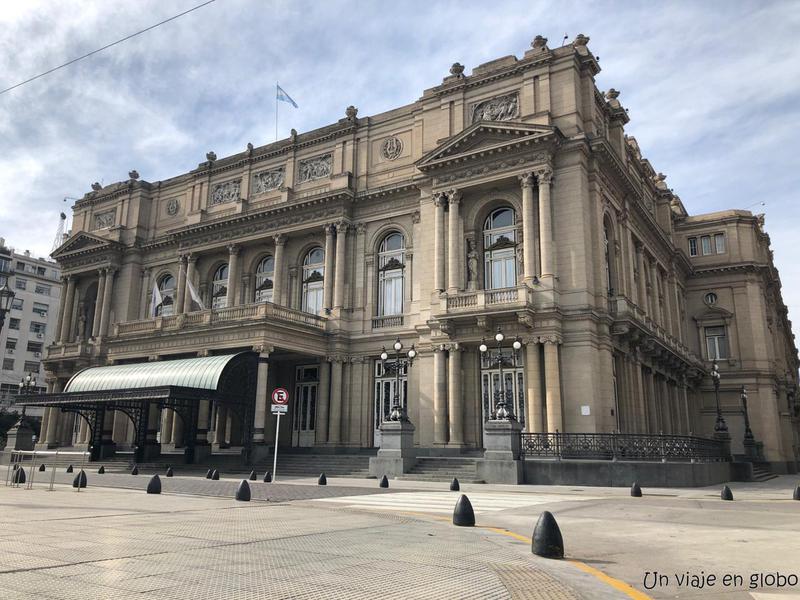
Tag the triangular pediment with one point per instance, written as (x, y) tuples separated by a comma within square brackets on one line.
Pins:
[(82, 242), (486, 137), (713, 313)]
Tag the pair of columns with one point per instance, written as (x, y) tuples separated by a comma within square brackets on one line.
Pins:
[(543, 386), (333, 288), (541, 179), (102, 311), (448, 404)]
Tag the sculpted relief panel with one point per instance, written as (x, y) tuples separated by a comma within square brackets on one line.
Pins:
[(105, 220), (267, 181), (501, 108), (315, 168), (227, 191)]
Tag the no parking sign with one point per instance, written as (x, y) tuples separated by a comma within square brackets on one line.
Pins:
[(280, 405)]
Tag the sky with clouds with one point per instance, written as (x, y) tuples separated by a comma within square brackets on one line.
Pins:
[(713, 89)]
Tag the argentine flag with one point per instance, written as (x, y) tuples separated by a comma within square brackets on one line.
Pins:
[(283, 96)]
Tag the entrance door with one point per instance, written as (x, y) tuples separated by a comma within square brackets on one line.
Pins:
[(304, 412), (513, 385), (385, 384)]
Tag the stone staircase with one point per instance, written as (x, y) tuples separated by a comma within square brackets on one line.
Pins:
[(308, 465), (444, 469), (762, 473)]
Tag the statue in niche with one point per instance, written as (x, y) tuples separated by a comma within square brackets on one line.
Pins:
[(82, 318), (472, 266)]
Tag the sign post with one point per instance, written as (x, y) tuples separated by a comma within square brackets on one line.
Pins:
[(280, 406)]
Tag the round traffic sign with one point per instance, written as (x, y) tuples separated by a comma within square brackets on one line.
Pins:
[(280, 396)]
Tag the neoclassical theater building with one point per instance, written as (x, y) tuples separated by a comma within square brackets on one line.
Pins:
[(508, 197)]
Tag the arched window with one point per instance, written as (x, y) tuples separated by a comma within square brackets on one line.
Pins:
[(608, 253), (264, 275), (219, 287), (391, 265), (166, 288), (313, 278), (500, 249)]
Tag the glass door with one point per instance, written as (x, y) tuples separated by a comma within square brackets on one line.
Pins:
[(304, 411), (385, 384), (513, 384)]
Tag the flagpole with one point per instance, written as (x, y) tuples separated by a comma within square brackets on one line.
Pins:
[(276, 111)]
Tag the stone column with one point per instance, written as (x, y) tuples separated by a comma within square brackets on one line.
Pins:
[(544, 178), (107, 293), (323, 401), (220, 425), (83, 433), (191, 270), (119, 429), (528, 231), (453, 258), (327, 284), (439, 201), (98, 303), (166, 426), (642, 419), (233, 275), (642, 289), (278, 276), (439, 395), (145, 310), (455, 400), (652, 403), (260, 417), (552, 377), (177, 431), (180, 289), (533, 392), (66, 318), (335, 414), (61, 299), (341, 264)]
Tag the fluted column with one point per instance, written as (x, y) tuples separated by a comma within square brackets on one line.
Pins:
[(260, 417), (177, 431), (439, 201), (652, 403), (439, 395), (66, 318), (191, 270), (642, 289), (533, 392), (335, 412), (528, 232), (341, 264), (220, 425), (278, 276), (323, 401), (167, 418), (98, 303), (180, 291), (453, 258), (552, 376), (233, 275), (107, 294), (327, 283), (455, 404), (544, 178)]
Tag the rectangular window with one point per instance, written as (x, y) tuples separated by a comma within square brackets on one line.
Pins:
[(11, 344), (31, 366), (35, 346), (8, 364), (719, 243), (13, 324), (21, 284), (5, 265), (17, 304), (716, 342), (42, 289), (41, 271), (38, 328), (20, 266), (40, 309), (705, 243), (692, 246)]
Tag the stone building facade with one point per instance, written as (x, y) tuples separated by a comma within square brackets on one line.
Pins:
[(509, 198)]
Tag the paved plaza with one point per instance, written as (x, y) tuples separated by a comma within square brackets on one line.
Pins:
[(351, 539)]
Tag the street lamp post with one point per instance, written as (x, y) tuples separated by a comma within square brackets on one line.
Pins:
[(749, 439), (398, 410), (501, 412), (720, 426), (6, 297)]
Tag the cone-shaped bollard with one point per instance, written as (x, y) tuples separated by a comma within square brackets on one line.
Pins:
[(19, 475), (135, 470), (41, 467), (154, 485), (463, 515), (80, 480), (322, 480), (253, 476), (455, 486), (215, 475), (267, 476), (726, 494), (547, 540), (796, 495), (69, 469), (636, 491), (243, 491), (101, 470), (169, 471), (209, 473), (384, 483)]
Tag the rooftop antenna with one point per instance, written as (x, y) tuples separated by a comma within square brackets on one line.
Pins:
[(564, 41), (61, 229), (755, 204)]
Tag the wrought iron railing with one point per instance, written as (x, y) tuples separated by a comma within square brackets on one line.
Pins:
[(621, 446)]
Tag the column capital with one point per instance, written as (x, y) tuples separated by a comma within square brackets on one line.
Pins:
[(183, 257), (544, 175), (280, 239), (234, 249), (342, 227), (455, 347), (440, 199), (526, 180), (263, 350), (191, 257), (454, 196), (329, 228), (550, 339)]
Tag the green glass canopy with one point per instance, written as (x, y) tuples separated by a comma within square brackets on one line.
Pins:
[(200, 373)]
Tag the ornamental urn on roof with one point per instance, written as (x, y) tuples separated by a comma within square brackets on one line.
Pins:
[(133, 174), (96, 186), (351, 112), (457, 70), (539, 43), (211, 156)]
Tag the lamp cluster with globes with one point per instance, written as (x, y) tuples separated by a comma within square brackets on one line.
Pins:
[(400, 361), (501, 406)]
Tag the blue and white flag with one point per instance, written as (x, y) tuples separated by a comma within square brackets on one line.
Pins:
[(283, 96)]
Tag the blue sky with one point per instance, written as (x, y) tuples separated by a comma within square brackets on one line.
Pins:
[(713, 89)]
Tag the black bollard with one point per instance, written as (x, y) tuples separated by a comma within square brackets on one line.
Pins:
[(547, 540), (463, 515), (384, 482), (101, 470), (19, 475), (267, 476), (169, 471), (253, 476), (636, 491), (243, 491), (796, 495), (80, 480), (135, 470), (454, 485), (154, 486), (322, 480), (215, 475), (69, 469), (209, 473), (41, 467), (726, 494)]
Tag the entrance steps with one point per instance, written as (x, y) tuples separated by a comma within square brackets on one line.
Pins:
[(307, 465), (444, 469), (762, 473)]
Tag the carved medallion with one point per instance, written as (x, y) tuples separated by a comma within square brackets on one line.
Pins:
[(172, 206), (391, 148), (105, 220), (501, 108), (315, 168), (268, 180), (227, 191)]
